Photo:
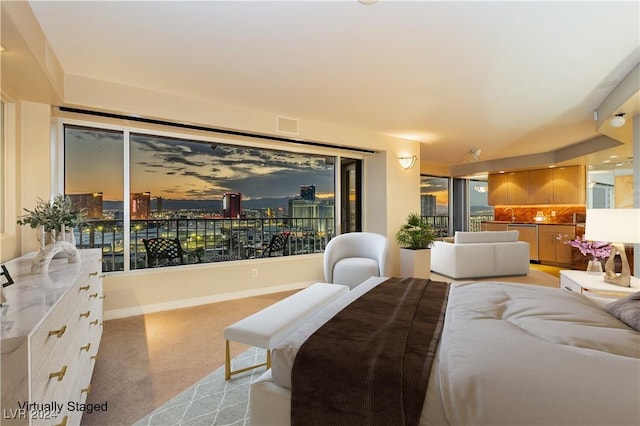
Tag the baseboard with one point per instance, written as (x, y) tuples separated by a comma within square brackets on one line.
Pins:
[(188, 303)]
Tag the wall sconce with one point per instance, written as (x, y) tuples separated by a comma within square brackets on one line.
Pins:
[(618, 120), (407, 162)]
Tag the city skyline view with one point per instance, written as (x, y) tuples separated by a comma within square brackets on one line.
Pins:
[(179, 169)]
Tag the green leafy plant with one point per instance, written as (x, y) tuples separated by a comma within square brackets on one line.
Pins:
[(52, 214), (416, 234)]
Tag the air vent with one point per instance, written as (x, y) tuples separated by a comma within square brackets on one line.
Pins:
[(287, 125)]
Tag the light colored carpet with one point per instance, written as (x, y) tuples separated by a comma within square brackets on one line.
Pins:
[(216, 402), (213, 400)]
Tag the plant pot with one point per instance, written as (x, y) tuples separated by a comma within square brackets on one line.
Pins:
[(415, 263)]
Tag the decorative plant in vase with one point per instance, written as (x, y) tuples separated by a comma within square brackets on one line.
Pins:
[(596, 250), (415, 238), (56, 217), (416, 234)]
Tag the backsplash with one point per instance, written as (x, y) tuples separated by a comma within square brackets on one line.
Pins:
[(542, 214)]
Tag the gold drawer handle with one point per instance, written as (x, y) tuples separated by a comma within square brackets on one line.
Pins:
[(85, 347), (86, 390), (102, 275), (86, 314), (58, 333), (60, 374), (102, 297), (85, 288), (63, 422), (93, 274), (94, 322), (93, 295), (94, 357)]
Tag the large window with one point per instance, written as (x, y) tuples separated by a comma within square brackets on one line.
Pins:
[(479, 208), (434, 202), (221, 201)]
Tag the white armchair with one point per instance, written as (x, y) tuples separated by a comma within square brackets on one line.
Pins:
[(350, 259)]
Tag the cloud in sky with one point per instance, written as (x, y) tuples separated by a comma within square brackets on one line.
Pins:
[(182, 169)]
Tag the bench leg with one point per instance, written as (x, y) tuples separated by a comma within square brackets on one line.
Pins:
[(227, 363)]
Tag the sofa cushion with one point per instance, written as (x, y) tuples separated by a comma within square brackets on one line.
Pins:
[(351, 271), (486, 237)]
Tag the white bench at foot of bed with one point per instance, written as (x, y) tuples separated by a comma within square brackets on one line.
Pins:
[(266, 328)]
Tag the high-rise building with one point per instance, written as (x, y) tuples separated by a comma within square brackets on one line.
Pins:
[(303, 209), (89, 204), (428, 205), (232, 204), (308, 192), (159, 201), (140, 204)]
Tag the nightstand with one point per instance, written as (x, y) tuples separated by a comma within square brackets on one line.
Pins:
[(593, 284)]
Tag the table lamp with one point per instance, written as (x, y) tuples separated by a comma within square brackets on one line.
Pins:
[(618, 226)]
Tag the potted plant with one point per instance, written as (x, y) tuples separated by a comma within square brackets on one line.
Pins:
[(415, 238), (56, 217)]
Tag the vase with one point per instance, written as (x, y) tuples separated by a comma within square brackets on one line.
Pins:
[(415, 263), (594, 266)]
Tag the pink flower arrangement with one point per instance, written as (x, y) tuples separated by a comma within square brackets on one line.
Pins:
[(597, 249)]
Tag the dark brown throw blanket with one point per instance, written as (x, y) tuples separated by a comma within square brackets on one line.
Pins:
[(370, 364)]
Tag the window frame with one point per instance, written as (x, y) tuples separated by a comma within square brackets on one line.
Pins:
[(197, 136)]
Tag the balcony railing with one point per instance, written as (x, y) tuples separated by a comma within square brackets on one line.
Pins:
[(441, 223), (215, 240)]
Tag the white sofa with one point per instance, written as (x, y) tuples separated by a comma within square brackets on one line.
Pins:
[(481, 254)]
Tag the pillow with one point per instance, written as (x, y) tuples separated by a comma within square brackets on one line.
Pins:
[(626, 310)]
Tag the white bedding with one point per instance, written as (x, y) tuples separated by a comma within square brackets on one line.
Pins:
[(516, 354)]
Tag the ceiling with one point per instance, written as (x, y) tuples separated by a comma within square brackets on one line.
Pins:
[(510, 78)]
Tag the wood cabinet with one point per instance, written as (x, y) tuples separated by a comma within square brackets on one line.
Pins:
[(51, 330), (560, 185), (508, 188), (492, 226), (541, 186), (552, 246), (497, 184), (569, 185), (529, 234)]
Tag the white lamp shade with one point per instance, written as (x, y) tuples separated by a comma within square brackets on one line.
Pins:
[(613, 225)]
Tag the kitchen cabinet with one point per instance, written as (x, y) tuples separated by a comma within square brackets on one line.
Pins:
[(560, 185), (569, 185), (552, 244), (508, 188), (541, 186), (529, 234), (493, 226), (497, 184)]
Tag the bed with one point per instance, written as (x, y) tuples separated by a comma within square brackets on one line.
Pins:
[(508, 354)]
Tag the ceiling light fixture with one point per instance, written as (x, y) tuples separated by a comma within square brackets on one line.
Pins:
[(618, 120), (407, 162), (475, 154)]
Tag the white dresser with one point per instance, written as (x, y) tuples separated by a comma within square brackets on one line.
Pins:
[(50, 325)]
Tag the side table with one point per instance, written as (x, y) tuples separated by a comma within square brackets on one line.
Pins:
[(592, 284)]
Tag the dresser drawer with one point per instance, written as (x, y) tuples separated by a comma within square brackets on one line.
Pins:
[(567, 284), (55, 329)]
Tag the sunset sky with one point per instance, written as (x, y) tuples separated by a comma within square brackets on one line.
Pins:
[(179, 169)]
